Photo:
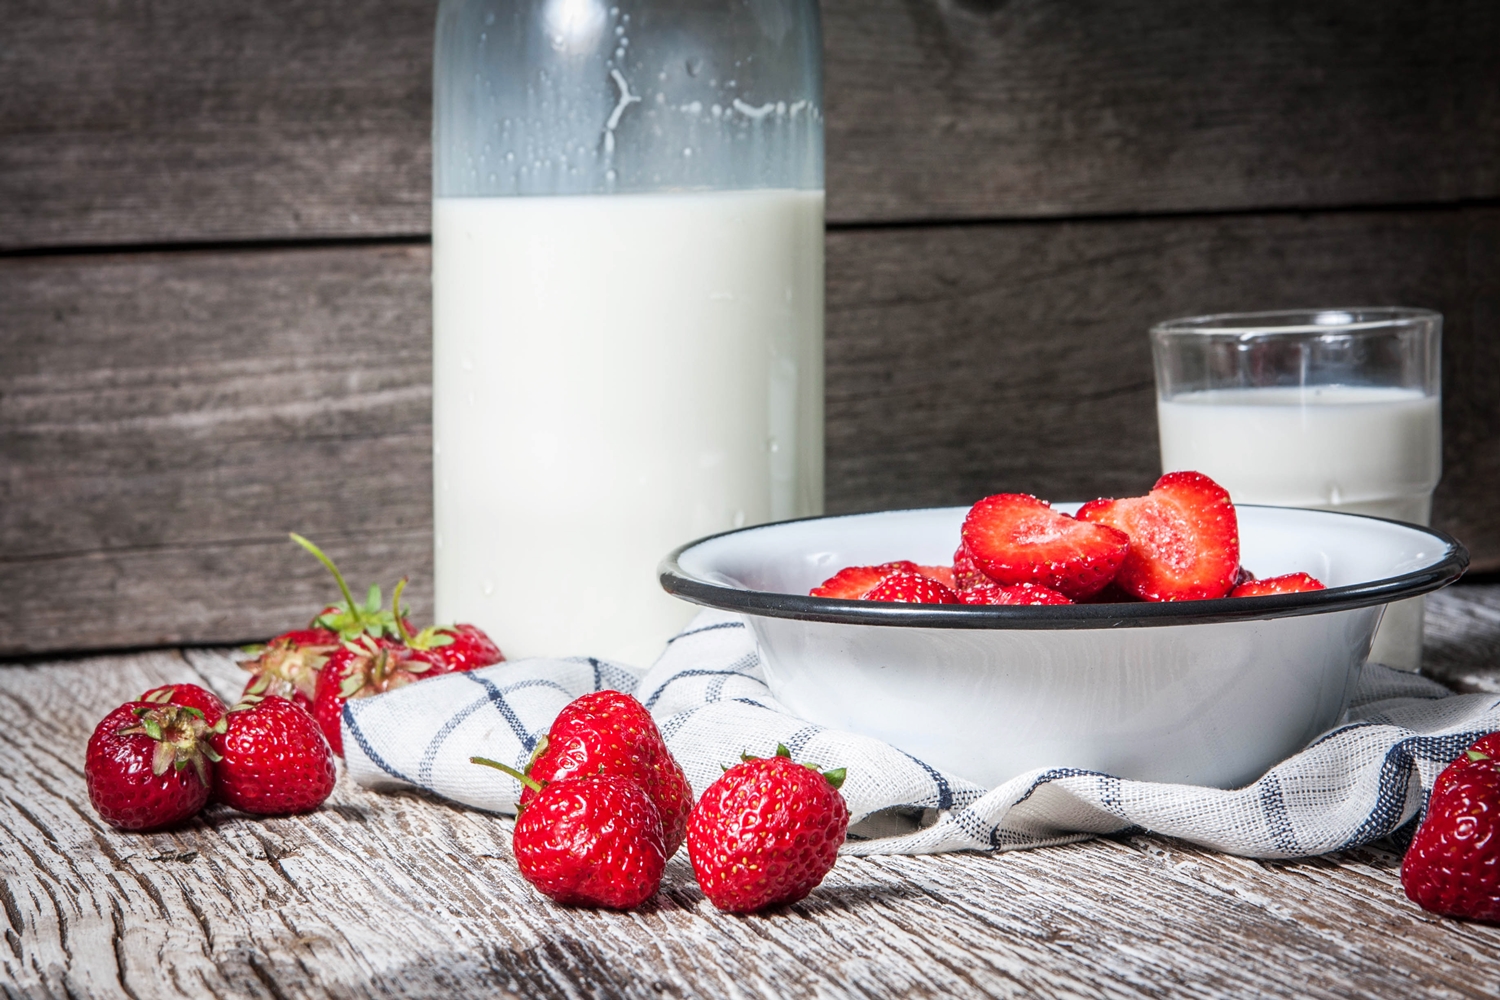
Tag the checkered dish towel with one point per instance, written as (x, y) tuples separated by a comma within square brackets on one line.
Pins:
[(1357, 783)]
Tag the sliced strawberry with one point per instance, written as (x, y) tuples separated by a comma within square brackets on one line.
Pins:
[(942, 574), (1016, 538), (1021, 593), (965, 573), (912, 588), (1290, 583), (1184, 538), (853, 582)]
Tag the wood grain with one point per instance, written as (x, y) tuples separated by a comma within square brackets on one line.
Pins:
[(152, 122), (405, 896), (165, 419)]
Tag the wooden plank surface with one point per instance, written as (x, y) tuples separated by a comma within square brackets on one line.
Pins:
[(405, 896), (166, 418), (155, 122)]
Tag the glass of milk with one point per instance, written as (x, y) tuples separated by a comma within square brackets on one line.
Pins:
[(627, 303), (1335, 409)]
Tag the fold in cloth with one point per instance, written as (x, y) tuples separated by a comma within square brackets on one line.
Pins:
[(1359, 782)]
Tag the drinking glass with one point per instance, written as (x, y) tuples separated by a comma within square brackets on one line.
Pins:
[(1332, 409)]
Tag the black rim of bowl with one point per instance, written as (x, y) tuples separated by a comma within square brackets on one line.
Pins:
[(804, 607)]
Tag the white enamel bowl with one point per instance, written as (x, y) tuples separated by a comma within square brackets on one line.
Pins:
[(1199, 692)]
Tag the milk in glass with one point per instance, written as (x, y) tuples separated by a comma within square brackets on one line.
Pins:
[(1357, 449)]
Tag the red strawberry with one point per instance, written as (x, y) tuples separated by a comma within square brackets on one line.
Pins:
[(942, 574), (1453, 864), (291, 662), (965, 573), (1021, 593), (607, 732), (359, 669), (148, 765), (1290, 583), (853, 582), (588, 841), (1016, 538), (190, 695), (766, 832), (1184, 538), (911, 588), (455, 648), (274, 760)]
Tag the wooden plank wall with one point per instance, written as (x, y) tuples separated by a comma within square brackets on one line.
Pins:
[(213, 266)]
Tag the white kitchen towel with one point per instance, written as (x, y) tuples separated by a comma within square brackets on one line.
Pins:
[(1359, 782)]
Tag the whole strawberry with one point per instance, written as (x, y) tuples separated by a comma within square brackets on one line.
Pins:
[(190, 695), (357, 670), (290, 664), (1453, 864), (149, 765), (606, 732), (588, 841), (766, 832), (273, 759), (456, 648)]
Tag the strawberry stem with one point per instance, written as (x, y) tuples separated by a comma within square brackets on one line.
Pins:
[(406, 636), (354, 609), (527, 780)]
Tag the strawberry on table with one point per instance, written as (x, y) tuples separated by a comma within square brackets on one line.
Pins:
[(190, 695), (766, 832), (290, 663), (456, 648), (358, 669), (853, 582), (1453, 864), (1184, 538), (1021, 593), (911, 588), (1289, 583), (607, 732), (1015, 538), (594, 840), (149, 765), (273, 759)]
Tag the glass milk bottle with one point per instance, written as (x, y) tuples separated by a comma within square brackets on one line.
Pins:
[(627, 241)]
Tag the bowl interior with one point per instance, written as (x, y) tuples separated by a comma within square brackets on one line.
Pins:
[(1341, 550)]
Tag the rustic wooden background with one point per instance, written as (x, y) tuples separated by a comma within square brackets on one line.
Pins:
[(214, 316)]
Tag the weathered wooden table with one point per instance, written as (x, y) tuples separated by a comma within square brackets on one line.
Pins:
[(402, 895)]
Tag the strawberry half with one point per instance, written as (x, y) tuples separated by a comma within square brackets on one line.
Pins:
[(1015, 538), (1021, 593), (1289, 583), (853, 582), (911, 588), (1184, 538), (965, 573)]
